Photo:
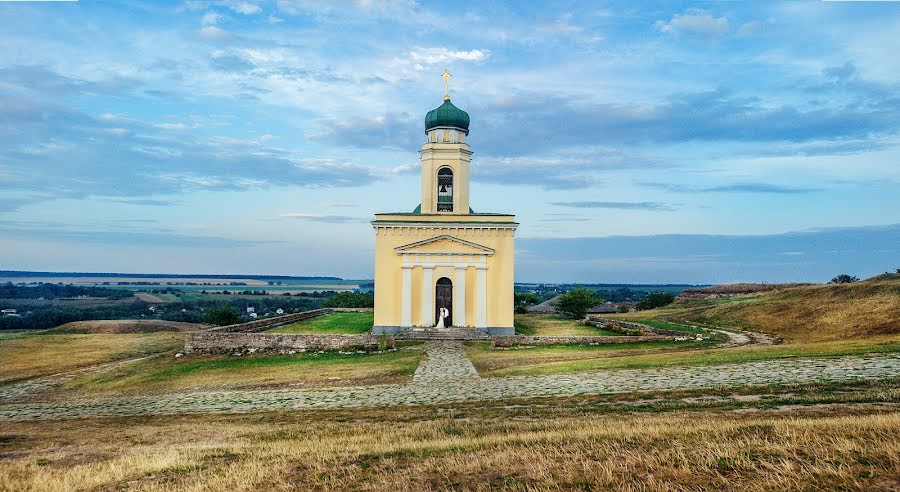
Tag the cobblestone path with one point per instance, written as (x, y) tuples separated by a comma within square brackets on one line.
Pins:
[(447, 376), (444, 360)]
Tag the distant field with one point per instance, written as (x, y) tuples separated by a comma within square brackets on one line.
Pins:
[(334, 323), (280, 285)]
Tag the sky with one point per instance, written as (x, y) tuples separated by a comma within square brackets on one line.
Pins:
[(635, 142)]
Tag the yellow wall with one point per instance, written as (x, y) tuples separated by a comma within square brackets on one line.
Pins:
[(395, 230)]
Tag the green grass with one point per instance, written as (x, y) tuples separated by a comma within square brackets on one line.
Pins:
[(167, 374), (551, 360), (555, 325), (334, 323)]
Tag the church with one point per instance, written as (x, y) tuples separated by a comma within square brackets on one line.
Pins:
[(443, 264)]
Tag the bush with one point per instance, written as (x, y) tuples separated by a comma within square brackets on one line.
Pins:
[(844, 279), (655, 300), (222, 315), (576, 302)]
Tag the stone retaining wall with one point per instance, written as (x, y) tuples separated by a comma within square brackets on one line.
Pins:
[(517, 340), (206, 342), (629, 328), (266, 323)]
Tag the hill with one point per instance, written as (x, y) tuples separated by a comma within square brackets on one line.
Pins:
[(802, 312), (125, 326)]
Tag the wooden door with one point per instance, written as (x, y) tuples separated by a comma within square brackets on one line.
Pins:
[(443, 299)]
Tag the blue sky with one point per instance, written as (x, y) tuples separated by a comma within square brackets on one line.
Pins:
[(635, 142)]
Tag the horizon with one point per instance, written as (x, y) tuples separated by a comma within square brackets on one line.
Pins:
[(636, 144)]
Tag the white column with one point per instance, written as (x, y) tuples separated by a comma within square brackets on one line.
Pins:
[(427, 296), (459, 297), (406, 298), (481, 302)]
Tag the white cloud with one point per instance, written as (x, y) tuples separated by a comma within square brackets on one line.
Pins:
[(245, 8), (171, 126), (213, 32), (695, 23), (210, 18), (433, 56)]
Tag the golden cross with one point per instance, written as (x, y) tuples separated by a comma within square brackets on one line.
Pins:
[(446, 75)]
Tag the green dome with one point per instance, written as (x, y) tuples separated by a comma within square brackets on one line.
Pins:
[(447, 115)]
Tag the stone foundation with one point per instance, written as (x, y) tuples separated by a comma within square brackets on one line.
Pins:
[(266, 323), (518, 340), (212, 343)]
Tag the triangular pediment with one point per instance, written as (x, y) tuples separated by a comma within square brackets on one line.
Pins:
[(443, 245)]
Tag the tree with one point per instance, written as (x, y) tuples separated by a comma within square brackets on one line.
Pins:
[(576, 302), (844, 279), (655, 300), (222, 315), (525, 299), (351, 300)]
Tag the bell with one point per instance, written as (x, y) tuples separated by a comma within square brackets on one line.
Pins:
[(443, 189)]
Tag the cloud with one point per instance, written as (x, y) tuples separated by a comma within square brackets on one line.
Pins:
[(213, 33), (210, 18), (695, 23), (171, 126), (39, 79), (129, 238), (703, 258), (246, 8), (751, 28), (743, 187), (441, 55), (651, 206), (393, 130), (552, 121), (54, 147), (329, 219)]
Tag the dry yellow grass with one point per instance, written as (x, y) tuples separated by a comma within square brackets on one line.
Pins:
[(33, 355), (415, 450), (803, 314)]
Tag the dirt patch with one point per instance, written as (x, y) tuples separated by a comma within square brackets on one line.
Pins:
[(125, 326)]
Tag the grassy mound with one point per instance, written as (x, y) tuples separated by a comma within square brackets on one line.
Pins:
[(125, 326), (806, 313), (333, 323)]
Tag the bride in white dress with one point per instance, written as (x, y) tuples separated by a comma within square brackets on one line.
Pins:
[(443, 313)]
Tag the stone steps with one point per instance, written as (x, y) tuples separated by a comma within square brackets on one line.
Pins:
[(444, 334)]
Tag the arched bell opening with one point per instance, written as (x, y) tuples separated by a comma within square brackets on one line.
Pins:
[(445, 190), (443, 298)]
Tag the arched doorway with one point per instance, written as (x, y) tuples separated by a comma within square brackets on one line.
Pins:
[(443, 298)]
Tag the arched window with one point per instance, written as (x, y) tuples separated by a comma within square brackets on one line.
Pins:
[(445, 190)]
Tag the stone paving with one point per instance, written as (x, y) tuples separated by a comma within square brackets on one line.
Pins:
[(447, 376), (444, 360)]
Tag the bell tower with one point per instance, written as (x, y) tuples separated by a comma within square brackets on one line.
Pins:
[(445, 157)]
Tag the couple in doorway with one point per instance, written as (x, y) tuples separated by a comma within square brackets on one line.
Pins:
[(443, 314)]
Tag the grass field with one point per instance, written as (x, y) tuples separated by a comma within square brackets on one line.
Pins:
[(334, 323), (801, 314), (554, 325), (32, 355), (560, 359), (168, 374), (839, 441)]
